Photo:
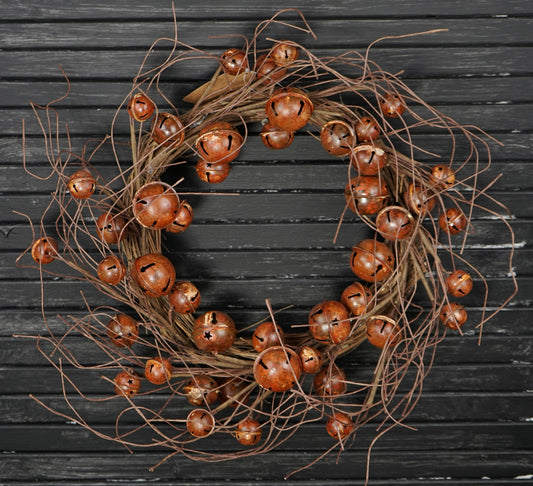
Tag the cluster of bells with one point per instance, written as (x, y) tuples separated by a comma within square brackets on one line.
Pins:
[(277, 367)]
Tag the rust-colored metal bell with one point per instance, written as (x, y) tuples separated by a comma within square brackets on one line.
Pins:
[(155, 205), (276, 138), (372, 261), (266, 68), (111, 228), (214, 332), (368, 159), (395, 223), (442, 176), (452, 221), (212, 172), (200, 423), (367, 129), (284, 53), (339, 426), (234, 61), (277, 369), (81, 184), (201, 390), (383, 331), (289, 109), (248, 432), (366, 194), (184, 297), (44, 250), (330, 381), (459, 283), (154, 273), (337, 137), (266, 335), (158, 370), (232, 391), (111, 270), (312, 360), (123, 330), (356, 298), (453, 315), (219, 142), (183, 218), (392, 105), (418, 199), (329, 322), (140, 107), (127, 383), (168, 130)]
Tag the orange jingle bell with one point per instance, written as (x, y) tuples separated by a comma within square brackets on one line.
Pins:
[(248, 432), (459, 283), (276, 138), (277, 369), (339, 425), (140, 107), (111, 228), (214, 332), (219, 142), (123, 330), (44, 250), (372, 261), (127, 384), (167, 130), (81, 184), (366, 194), (356, 298), (337, 137), (329, 322), (184, 297), (382, 331), (266, 335), (312, 360), (200, 422), (154, 274), (289, 109), (158, 370), (183, 218), (330, 381), (395, 223), (155, 205), (111, 270)]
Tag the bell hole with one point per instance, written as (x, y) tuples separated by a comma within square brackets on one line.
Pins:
[(371, 158), (302, 105), (378, 269), (146, 267), (141, 201), (407, 223), (208, 335), (461, 291), (358, 294), (194, 297), (214, 318), (154, 223), (309, 359), (162, 124), (165, 288), (273, 106), (230, 141), (75, 188), (261, 363), (388, 216), (112, 267), (203, 146), (259, 338), (317, 313)]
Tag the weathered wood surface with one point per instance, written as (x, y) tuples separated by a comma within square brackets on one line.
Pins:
[(474, 417)]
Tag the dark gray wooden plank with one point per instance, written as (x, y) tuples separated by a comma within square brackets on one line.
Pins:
[(115, 35), (282, 264), (514, 146), (493, 117), (475, 436), (124, 466), (431, 408), (488, 235), (510, 322), (123, 65), (501, 378), (268, 207), (111, 94), (57, 10), (454, 349), (330, 175), (240, 293)]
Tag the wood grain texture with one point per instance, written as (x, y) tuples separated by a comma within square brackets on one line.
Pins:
[(475, 414)]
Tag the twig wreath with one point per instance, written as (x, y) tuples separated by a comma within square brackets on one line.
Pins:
[(261, 388)]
